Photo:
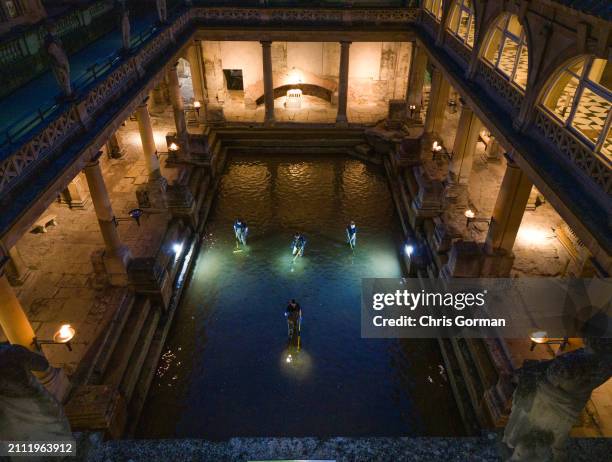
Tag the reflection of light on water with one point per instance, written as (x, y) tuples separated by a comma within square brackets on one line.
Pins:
[(383, 264), (296, 364)]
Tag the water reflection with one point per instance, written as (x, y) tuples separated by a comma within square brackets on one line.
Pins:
[(236, 375)]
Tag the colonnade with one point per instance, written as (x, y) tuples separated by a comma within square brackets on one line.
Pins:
[(515, 186)]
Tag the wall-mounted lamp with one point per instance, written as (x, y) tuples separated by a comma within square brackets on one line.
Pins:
[(197, 105), (173, 147), (63, 336), (412, 108), (134, 214), (470, 217), (541, 338), (408, 249)]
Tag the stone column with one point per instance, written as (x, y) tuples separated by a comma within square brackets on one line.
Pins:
[(438, 99), (16, 269), (194, 55), (509, 208), (153, 194), (113, 148), (464, 147), (343, 79), (116, 254), (416, 80), (268, 80), (75, 195), (493, 149), (177, 105), (14, 322)]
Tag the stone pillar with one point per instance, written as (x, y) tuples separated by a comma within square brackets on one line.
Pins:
[(438, 99), (113, 148), (75, 195), (19, 331), (268, 80), (416, 80), (194, 54), (16, 269), (14, 322), (153, 194), (464, 147), (147, 139), (177, 105), (343, 79), (509, 209), (116, 254), (493, 149)]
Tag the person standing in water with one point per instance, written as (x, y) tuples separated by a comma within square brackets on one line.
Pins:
[(241, 230), (351, 234), (293, 313), (298, 245)]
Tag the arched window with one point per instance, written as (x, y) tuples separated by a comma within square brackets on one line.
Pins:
[(506, 49), (461, 21), (434, 7), (580, 96)]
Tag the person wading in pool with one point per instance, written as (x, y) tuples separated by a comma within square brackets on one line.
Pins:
[(293, 313), (298, 245), (351, 234), (241, 230)]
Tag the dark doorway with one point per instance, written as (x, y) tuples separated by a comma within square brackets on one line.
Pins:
[(233, 79)]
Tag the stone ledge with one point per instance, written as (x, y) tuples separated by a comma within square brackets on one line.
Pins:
[(481, 449)]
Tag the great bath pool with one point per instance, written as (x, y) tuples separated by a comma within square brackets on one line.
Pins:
[(225, 370)]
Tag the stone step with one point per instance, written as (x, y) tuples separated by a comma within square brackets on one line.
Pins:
[(299, 150), (453, 371), (120, 358), (292, 142), (139, 354), (104, 346)]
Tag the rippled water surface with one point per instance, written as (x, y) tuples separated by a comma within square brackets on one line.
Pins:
[(226, 370)]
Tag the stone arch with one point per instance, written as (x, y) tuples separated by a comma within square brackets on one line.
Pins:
[(307, 89), (579, 97), (506, 47), (457, 9)]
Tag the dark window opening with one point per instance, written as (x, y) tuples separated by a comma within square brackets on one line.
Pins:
[(233, 79)]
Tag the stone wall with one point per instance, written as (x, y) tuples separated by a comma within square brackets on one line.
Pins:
[(378, 70)]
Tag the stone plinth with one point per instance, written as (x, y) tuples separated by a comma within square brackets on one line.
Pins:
[(397, 114), (428, 202), (148, 277), (97, 408), (465, 260)]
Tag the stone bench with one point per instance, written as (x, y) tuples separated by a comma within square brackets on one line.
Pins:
[(41, 224)]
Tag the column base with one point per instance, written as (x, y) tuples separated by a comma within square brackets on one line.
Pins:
[(56, 382), (497, 263), (342, 122), (116, 265), (17, 277), (269, 122)]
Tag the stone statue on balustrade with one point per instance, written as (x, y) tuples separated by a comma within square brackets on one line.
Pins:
[(59, 64), (550, 397), (27, 410), (125, 25), (162, 11)]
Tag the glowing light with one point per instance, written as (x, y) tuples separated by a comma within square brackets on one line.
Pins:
[(289, 358), (197, 104), (412, 107), (177, 248), (435, 147), (540, 336), (408, 249), (469, 213), (531, 235), (173, 147), (64, 334), (295, 76)]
